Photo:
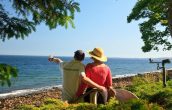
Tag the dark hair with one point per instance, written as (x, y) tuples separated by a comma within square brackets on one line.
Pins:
[(79, 55)]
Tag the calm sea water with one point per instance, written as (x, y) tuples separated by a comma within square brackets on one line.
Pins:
[(37, 72)]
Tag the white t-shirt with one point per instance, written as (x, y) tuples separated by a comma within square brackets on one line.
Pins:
[(71, 72)]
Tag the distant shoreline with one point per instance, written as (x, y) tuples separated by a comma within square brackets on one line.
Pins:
[(88, 57)]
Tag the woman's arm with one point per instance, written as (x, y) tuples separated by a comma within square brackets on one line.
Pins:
[(87, 81), (91, 83)]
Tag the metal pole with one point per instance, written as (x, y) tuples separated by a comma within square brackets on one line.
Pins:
[(163, 75)]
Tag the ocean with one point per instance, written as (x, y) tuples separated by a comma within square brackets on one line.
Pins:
[(37, 72)]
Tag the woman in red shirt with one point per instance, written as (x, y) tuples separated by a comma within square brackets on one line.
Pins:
[(98, 72)]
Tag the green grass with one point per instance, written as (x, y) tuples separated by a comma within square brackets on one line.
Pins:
[(111, 105), (153, 92), (152, 96)]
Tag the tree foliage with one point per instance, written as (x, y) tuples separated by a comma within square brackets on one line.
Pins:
[(6, 73), (156, 27), (31, 13), (13, 26)]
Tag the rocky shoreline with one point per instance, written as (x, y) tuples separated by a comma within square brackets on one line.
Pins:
[(36, 98)]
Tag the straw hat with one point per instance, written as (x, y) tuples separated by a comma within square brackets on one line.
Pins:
[(98, 54)]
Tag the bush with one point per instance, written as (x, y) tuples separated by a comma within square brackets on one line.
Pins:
[(153, 92), (163, 98), (85, 106), (130, 105), (53, 104), (109, 105), (53, 101), (113, 104)]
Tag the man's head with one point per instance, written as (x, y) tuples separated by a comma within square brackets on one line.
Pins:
[(79, 55)]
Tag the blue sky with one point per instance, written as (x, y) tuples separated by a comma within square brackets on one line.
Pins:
[(101, 23)]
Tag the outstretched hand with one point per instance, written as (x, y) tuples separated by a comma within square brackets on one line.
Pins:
[(55, 60), (50, 59)]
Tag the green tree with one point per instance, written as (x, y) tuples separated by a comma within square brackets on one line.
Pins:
[(6, 73), (29, 14), (156, 26)]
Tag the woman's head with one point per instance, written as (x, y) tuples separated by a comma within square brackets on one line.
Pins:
[(97, 54), (95, 60), (79, 55)]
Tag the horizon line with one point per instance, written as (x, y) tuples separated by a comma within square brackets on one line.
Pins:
[(86, 56)]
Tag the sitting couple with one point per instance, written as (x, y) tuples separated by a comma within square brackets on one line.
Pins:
[(78, 79)]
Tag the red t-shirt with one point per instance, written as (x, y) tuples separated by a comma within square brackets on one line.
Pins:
[(100, 74)]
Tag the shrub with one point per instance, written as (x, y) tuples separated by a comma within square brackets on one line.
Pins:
[(113, 104), (109, 105), (53, 101), (163, 98), (53, 104), (85, 106), (153, 92), (130, 105)]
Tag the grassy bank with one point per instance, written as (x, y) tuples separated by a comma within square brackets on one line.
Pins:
[(151, 93)]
